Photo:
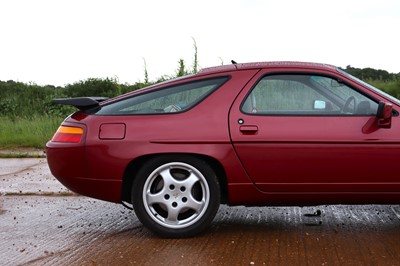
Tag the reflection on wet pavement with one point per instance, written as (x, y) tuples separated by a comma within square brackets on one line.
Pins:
[(39, 230)]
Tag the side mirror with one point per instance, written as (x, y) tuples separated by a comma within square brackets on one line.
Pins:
[(384, 115)]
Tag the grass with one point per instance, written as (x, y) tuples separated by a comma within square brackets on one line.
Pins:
[(7, 155), (27, 132), (47, 194)]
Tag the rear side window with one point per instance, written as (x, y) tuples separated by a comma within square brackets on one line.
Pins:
[(172, 99)]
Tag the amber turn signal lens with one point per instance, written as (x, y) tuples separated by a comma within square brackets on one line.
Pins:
[(68, 134)]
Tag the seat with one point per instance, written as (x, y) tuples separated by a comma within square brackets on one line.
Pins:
[(363, 108)]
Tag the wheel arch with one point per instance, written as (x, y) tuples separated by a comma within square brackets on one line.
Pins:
[(134, 166)]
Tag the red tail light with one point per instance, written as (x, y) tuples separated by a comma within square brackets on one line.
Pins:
[(68, 134)]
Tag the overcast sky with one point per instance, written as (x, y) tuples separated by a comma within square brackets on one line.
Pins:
[(60, 42)]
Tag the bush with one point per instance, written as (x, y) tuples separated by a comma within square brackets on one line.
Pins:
[(94, 87)]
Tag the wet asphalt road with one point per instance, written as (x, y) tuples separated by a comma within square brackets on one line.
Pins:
[(42, 223)]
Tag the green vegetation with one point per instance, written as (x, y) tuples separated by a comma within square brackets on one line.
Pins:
[(28, 118), (390, 87), (381, 79), (20, 154), (32, 132)]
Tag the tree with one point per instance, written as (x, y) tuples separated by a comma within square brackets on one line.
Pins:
[(146, 75), (195, 61), (181, 71)]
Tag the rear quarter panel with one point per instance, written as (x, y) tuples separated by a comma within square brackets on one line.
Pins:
[(201, 130)]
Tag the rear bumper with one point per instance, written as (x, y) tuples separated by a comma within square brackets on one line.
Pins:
[(108, 190), (67, 164)]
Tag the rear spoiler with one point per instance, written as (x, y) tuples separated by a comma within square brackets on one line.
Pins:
[(82, 103)]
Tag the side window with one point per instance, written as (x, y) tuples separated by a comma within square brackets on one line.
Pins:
[(166, 100), (306, 95)]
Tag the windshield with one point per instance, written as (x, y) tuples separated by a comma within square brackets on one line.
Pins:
[(384, 94)]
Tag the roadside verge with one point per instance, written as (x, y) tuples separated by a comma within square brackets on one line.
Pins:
[(22, 153)]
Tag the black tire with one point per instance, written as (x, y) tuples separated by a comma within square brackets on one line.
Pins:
[(176, 195)]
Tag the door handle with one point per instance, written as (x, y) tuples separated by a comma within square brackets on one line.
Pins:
[(248, 129)]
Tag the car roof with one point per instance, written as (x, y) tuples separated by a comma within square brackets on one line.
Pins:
[(235, 67), (257, 65)]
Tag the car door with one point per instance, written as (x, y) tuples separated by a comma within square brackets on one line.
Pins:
[(311, 132)]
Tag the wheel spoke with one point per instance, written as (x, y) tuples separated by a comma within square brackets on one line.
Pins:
[(173, 214), (156, 198), (167, 177), (191, 180), (194, 204)]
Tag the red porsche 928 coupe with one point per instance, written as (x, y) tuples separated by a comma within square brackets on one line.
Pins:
[(255, 134)]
